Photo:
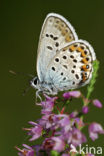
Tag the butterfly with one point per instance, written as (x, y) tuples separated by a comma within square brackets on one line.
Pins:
[(64, 62)]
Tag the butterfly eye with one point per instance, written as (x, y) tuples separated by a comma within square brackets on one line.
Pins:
[(35, 81)]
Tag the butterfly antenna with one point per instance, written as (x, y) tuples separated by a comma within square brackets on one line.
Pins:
[(26, 90), (20, 73), (23, 74), (12, 72)]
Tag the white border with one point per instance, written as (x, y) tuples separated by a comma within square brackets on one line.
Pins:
[(88, 45), (63, 19)]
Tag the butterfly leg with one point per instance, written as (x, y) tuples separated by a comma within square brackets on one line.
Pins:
[(38, 96)]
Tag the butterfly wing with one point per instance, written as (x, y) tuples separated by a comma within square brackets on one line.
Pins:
[(72, 66), (56, 33)]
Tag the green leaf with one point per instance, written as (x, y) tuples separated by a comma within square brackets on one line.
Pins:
[(54, 153)]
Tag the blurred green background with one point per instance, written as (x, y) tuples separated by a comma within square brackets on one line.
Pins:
[(20, 25)]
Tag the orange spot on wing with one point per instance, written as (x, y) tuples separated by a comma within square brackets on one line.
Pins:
[(84, 61), (84, 68), (67, 38), (83, 54), (80, 50), (72, 48), (83, 77)]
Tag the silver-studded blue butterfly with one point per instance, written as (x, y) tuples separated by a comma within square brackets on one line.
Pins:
[(64, 62)]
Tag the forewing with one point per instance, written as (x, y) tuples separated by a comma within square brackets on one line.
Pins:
[(55, 34), (72, 66)]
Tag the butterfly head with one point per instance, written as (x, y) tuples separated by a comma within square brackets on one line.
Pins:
[(34, 82)]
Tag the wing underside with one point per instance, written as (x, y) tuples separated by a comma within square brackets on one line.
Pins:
[(55, 34)]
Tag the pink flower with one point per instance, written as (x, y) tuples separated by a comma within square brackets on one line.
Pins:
[(48, 121), (27, 151), (35, 131), (59, 144), (75, 94), (59, 129), (63, 122), (48, 104), (65, 154), (76, 137), (85, 109), (48, 144), (97, 103), (94, 130), (73, 114), (89, 155)]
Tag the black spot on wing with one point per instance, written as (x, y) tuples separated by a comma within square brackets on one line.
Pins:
[(57, 59), (75, 60), (72, 71), (64, 57), (57, 44), (65, 66), (49, 47), (53, 68), (55, 38), (47, 35), (77, 76), (64, 78)]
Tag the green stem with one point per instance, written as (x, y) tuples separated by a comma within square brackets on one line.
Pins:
[(93, 80)]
